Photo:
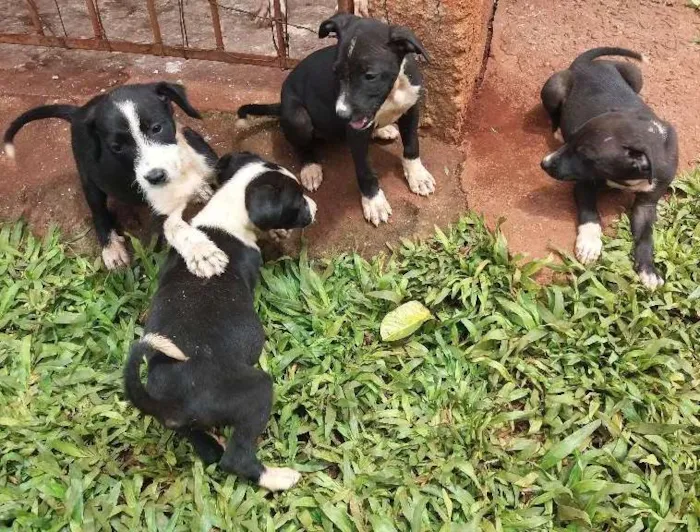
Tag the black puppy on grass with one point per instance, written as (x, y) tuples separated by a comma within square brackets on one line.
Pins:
[(612, 138), (203, 337), (355, 90)]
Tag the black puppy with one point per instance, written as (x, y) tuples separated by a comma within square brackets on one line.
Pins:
[(355, 89), (612, 138), (127, 144), (203, 337)]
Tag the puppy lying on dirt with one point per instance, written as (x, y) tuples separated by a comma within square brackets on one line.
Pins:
[(203, 337), (612, 139)]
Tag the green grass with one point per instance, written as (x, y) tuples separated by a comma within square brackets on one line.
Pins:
[(573, 406)]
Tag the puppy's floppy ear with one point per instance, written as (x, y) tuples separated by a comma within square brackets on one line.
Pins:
[(262, 201), (404, 41), (174, 92), (640, 158), (335, 24)]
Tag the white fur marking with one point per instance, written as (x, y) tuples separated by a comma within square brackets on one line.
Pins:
[(164, 345), (278, 478), (390, 132), (607, 139), (635, 185), (376, 209), (10, 150), (312, 207), (342, 108), (114, 254), (658, 127), (312, 176), (351, 48), (420, 181), (558, 135), (400, 99), (588, 242), (651, 280)]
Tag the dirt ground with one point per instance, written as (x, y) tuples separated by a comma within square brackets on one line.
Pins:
[(509, 131)]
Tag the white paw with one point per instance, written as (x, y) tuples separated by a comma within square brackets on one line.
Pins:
[(279, 234), (558, 136), (588, 242), (376, 209), (311, 176), (204, 193), (114, 254), (650, 279), (420, 181), (205, 259), (278, 478), (390, 132)]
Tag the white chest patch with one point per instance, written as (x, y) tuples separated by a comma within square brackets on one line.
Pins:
[(635, 185), (402, 97)]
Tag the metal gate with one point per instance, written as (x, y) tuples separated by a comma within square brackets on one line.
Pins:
[(278, 33)]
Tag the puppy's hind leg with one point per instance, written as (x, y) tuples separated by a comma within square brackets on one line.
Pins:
[(249, 402), (553, 95), (299, 131), (114, 252)]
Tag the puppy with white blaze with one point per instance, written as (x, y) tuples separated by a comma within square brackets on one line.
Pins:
[(356, 91), (127, 145), (203, 338)]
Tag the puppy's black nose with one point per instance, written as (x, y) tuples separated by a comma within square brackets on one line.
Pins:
[(155, 176)]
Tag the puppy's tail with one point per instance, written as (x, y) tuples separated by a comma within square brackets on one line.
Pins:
[(135, 390), (65, 112), (591, 54), (273, 109)]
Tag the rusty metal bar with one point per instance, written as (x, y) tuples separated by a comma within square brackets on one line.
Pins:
[(155, 27), (216, 22), (141, 48), (281, 34), (34, 14), (346, 6), (96, 26)]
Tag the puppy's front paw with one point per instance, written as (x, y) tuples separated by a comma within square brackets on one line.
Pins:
[(376, 209), (312, 176), (390, 132), (588, 243), (205, 259), (650, 278), (278, 478), (114, 254), (420, 181), (277, 235)]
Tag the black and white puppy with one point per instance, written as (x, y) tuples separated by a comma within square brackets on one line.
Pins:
[(127, 144), (355, 90), (612, 138), (203, 338)]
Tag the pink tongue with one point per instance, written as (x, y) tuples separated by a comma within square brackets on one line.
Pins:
[(358, 124)]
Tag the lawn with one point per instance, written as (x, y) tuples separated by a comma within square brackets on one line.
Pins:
[(516, 407)]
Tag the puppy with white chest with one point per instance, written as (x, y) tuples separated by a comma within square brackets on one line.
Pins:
[(203, 338), (611, 139), (355, 90), (127, 144)]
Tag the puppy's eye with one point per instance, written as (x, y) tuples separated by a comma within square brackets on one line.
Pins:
[(116, 147), (369, 76), (156, 128)]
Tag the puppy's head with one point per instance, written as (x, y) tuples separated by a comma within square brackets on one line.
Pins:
[(621, 147), (274, 199), (136, 127), (368, 60)]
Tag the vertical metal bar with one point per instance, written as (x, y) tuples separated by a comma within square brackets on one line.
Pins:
[(155, 27), (216, 22), (281, 34), (346, 6), (96, 27), (36, 19)]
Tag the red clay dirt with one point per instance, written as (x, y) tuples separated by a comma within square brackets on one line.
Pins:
[(43, 186), (509, 132)]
